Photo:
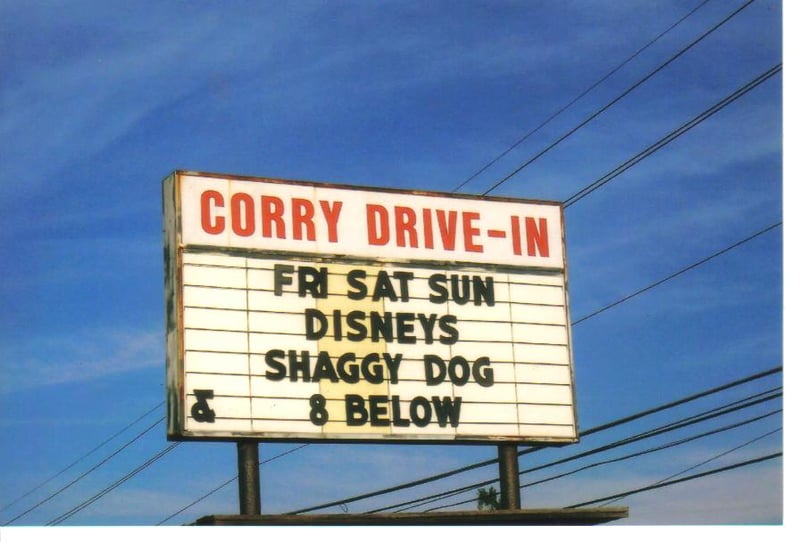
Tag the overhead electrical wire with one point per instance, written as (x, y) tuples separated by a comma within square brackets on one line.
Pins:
[(66, 515), (728, 408), (85, 473), (585, 433), (648, 487), (450, 493), (680, 272), (713, 413), (81, 458), (610, 104), (130, 475), (685, 422), (681, 480), (666, 406), (709, 460), (667, 446), (672, 136), (273, 458), (579, 96)]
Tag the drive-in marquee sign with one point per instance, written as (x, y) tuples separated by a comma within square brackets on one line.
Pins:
[(305, 311)]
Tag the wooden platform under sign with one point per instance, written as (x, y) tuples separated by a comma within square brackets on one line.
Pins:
[(541, 516)]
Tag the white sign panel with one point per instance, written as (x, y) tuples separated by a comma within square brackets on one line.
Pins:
[(309, 311)]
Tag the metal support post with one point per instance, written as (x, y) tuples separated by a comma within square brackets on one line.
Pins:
[(509, 477), (249, 479)]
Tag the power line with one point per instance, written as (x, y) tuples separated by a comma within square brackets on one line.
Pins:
[(714, 413), (680, 272), (579, 96), (392, 489), (81, 458), (705, 416), (725, 409), (66, 515), (714, 458), (273, 458), (618, 98), (672, 136), (136, 471), (687, 399), (586, 467), (596, 429), (86, 473), (450, 493), (680, 480), (657, 485), (128, 476)]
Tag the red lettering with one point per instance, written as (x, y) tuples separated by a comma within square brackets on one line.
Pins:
[(379, 213), (537, 237), (471, 232), (332, 218), (243, 221), (447, 227), (516, 243), (427, 228), (211, 224), (404, 222), (272, 214), (303, 215)]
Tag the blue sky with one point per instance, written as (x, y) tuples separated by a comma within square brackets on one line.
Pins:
[(102, 100)]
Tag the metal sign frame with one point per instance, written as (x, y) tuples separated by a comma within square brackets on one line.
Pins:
[(437, 318)]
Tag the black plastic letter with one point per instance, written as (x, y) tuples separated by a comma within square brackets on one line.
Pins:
[(201, 410)]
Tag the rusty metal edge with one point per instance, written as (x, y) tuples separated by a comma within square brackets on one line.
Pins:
[(529, 517), (371, 188)]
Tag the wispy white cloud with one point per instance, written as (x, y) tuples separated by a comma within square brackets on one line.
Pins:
[(55, 107), (79, 357), (75, 107)]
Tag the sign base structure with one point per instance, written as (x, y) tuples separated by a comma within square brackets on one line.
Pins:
[(532, 517)]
